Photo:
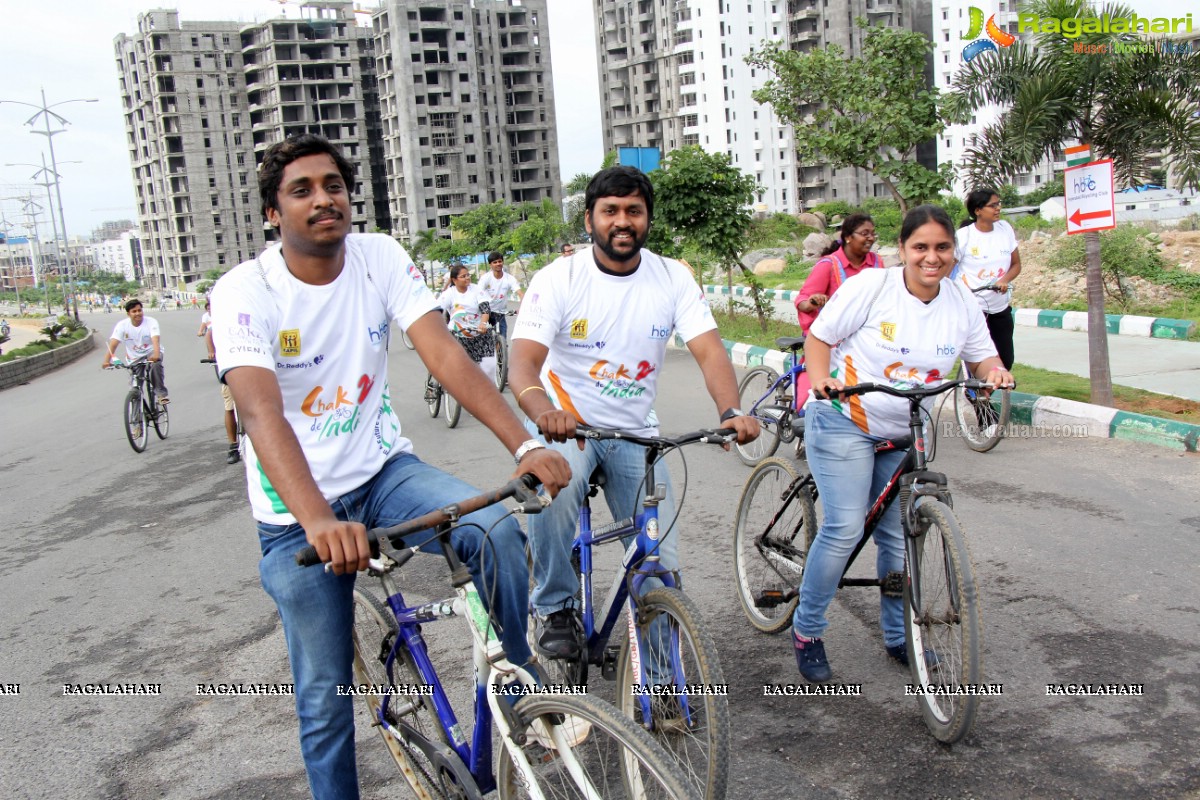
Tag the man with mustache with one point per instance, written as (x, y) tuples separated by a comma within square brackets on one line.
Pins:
[(588, 347), (301, 336)]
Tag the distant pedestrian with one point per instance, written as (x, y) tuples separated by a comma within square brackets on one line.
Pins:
[(987, 256)]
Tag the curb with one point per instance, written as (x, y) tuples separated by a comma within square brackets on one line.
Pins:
[(1036, 411), (1120, 324)]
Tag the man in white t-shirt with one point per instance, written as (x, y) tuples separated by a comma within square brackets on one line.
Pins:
[(588, 347), (301, 336), (499, 285), (141, 337)]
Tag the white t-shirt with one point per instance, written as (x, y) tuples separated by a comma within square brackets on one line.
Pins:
[(463, 308), (327, 346), (902, 342), (983, 258), (137, 339), (607, 334), (498, 290)]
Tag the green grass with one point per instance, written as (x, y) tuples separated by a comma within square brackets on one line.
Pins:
[(743, 327), (43, 345)]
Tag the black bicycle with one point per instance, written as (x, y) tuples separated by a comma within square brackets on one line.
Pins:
[(142, 408), (982, 418), (775, 526)]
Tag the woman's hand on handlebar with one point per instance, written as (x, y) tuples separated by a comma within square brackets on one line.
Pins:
[(826, 388), (1000, 378)]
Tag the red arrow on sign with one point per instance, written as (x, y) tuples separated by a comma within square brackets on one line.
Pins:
[(1078, 217)]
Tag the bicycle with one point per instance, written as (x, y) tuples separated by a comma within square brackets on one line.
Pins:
[(501, 344), (141, 408), (776, 524), (435, 394), (552, 745), (240, 432), (691, 722), (981, 423), (768, 397)]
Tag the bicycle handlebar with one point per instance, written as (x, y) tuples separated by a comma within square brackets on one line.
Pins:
[(117, 363), (521, 488), (916, 394), (720, 436), (208, 361), (991, 287)]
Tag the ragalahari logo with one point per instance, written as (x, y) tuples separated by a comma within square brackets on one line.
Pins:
[(995, 33)]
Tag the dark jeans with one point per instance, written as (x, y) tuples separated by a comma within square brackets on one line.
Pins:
[(1000, 326)]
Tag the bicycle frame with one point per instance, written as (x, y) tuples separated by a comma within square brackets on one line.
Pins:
[(782, 384)]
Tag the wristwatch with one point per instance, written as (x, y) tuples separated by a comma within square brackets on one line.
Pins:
[(532, 444), (730, 413)]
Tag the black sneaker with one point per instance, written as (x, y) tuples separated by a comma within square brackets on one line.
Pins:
[(899, 652), (233, 457), (811, 660), (559, 634)]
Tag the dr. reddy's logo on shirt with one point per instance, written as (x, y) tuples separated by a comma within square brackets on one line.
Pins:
[(579, 328), (888, 331), (289, 343)]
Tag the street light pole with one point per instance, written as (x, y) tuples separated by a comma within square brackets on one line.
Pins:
[(45, 112), (44, 170)]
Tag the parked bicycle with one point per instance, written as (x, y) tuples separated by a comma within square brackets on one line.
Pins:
[(771, 399), (775, 526), (666, 647), (552, 745), (142, 408), (982, 419)]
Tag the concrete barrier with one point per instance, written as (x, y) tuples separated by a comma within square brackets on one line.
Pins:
[(23, 370)]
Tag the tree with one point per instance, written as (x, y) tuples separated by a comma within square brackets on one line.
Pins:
[(421, 243), (869, 112), (542, 228), (706, 199), (579, 183), (1125, 105), (487, 227)]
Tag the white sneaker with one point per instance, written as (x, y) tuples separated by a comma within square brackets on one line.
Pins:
[(577, 730)]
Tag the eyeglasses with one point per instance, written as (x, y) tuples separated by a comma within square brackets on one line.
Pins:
[(997, 204), (866, 234), (568, 251)]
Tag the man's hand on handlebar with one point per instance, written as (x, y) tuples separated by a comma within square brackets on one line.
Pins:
[(557, 425), (549, 467), (747, 428), (999, 378), (343, 546)]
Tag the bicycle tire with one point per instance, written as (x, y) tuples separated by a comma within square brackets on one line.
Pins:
[(948, 622), (775, 565), (452, 409), (701, 749), (501, 362), (980, 422), (754, 385), (433, 395), (162, 421), (135, 422), (374, 631), (407, 341), (618, 759)]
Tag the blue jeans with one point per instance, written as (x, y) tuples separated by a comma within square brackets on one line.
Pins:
[(317, 609), (849, 476), (552, 531)]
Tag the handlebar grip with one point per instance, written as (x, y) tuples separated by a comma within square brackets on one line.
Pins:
[(208, 361), (525, 493), (307, 556)]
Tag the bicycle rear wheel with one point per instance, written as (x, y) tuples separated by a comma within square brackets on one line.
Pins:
[(755, 396), (433, 395), (501, 362), (941, 613), (678, 651), (161, 420), (452, 410), (135, 421), (615, 760), (775, 525), (375, 631), (981, 422)]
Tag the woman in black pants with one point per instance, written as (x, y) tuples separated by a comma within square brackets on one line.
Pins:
[(987, 256)]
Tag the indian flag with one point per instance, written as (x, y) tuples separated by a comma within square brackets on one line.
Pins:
[(1079, 154)]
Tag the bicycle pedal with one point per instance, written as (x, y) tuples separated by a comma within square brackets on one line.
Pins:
[(769, 598), (608, 666), (892, 585)]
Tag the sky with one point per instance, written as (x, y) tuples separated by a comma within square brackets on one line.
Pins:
[(69, 54)]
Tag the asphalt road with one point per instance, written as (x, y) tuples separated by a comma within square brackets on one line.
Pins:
[(126, 568)]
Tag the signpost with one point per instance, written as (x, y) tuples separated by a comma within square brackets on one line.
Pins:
[(1089, 197)]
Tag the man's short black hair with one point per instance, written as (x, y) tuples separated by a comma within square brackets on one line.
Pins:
[(495, 256), (619, 182), (279, 155), (132, 304)]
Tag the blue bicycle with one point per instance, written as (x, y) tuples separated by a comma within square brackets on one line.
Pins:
[(666, 667), (552, 745), (771, 399)]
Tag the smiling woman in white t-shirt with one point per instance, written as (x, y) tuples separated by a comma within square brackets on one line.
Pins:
[(987, 256), (905, 327)]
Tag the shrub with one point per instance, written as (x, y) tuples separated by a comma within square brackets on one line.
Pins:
[(835, 208), (887, 216), (1124, 252)]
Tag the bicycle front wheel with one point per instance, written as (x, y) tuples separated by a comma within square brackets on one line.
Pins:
[(452, 410), (595, 753), (375, 631), (692, 726), (775, 525), (756, 397), (981, 422), (501, 362), (135, 421), (162, 421), (433, 395), (942, 624)]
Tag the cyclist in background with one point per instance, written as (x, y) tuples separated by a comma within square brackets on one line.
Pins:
[(468, 308), (988, 256), (206, 321), (498, 285), (233, 455), (141, 337)]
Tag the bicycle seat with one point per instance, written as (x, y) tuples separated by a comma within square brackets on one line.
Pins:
[(790, 342)]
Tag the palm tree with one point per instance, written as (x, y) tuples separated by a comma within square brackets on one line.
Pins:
[(1125, 105)]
